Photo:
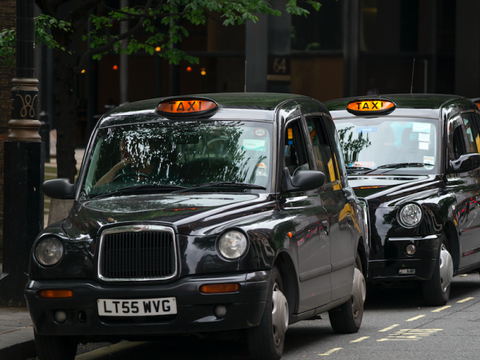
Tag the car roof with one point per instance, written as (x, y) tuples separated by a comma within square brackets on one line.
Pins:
[(254, 106), (424, 105)]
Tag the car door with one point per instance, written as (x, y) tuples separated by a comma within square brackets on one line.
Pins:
[(339, 207), (309, 219), (463, 137)]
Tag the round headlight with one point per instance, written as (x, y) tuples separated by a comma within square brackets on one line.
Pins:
[(232, 244), (49, 251), (410, 215)]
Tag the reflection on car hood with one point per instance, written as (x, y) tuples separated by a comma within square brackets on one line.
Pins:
[(373, 186), (189, 213), (177, 202)]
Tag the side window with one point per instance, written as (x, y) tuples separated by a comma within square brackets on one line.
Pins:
[(322, 151), (471, 131), (458, 138), (295, 156)]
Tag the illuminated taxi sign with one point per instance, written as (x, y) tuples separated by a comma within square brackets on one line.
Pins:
[(477, 102), (370, 107), (195, 107)]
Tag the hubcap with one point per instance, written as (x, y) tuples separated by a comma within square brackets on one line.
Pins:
[(279, 314), (359, 291), (446, 268)]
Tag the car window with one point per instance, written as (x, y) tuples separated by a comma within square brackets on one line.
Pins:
[(459, 143), (295, 155), (179, 154), (471, 132), (400, 144), (321, 149)]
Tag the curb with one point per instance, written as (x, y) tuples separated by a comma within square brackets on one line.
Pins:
[(20, 349)]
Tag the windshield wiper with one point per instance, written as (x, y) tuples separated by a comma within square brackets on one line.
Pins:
[(222, 184), (394, 166), (354, 169), (140, 188)]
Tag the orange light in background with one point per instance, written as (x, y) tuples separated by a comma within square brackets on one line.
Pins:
[(158, 49), (189, 68), (115, 67), (83, 71), (203, 72)]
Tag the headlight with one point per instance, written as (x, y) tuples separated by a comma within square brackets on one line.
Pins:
[(410, 215), (232, 244), (49, 251)]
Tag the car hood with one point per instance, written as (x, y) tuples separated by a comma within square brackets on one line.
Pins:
[(384, 188), (188, 213)]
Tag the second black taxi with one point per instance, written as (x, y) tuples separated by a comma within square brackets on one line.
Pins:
[(204, 215), (414, 161)]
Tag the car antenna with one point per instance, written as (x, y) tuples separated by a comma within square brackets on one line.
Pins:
[(413, 72)]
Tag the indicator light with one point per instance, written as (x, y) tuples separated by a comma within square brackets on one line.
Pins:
[(219, 288)]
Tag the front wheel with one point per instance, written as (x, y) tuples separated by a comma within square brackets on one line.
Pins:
[(55, 347), (436, 291), (266, 341), (347, 318)]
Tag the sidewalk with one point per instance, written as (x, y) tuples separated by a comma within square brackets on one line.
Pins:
[(16, 335), (16, 330)]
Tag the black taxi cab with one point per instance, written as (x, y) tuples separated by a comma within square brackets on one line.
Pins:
[(201, 215), (414, 161)]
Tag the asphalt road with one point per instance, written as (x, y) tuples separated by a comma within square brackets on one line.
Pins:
[(396, 326)]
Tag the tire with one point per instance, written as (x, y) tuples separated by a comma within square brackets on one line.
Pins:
[(266, 341), (55, 347), (436, 291), (347, 318)]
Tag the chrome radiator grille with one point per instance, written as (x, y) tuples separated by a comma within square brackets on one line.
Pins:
[(137, 253)]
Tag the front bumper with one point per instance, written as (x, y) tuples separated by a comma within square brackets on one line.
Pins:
[(195, 310), (419, 266)]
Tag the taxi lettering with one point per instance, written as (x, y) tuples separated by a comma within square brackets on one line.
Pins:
[(190, 106)]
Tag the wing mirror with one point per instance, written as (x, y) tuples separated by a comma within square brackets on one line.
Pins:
[(302, 180), (59, 189)]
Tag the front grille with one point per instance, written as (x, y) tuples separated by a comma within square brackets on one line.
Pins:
[(137, 253)]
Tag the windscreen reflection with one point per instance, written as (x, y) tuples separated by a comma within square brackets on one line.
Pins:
[(179, 155)]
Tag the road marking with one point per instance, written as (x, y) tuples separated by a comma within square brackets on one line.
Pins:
[(442, 308), (330, 352), (388, 328), (465, 300), (416, 318), (410, 334), (360, 339)]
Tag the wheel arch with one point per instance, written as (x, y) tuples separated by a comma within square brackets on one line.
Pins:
[(451, 238), (289, 279)]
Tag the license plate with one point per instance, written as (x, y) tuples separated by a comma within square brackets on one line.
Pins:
[(137, 307)]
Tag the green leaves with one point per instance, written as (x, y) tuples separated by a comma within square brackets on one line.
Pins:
[(146, 29)]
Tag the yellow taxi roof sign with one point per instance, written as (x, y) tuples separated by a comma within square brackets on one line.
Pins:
[(371, 107), (178, 107)]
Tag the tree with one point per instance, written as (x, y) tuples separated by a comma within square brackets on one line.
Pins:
[(151, 23)]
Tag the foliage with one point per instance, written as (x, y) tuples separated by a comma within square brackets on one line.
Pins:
[(352, 147), (158, 24)]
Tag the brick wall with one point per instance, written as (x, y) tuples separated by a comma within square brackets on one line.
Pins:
[(7, 73)]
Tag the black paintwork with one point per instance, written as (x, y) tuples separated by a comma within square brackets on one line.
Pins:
[(282, 226), (447, 196)]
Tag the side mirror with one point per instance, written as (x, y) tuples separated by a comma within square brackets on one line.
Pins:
[(302, 180), (59, 189), (465, 163)]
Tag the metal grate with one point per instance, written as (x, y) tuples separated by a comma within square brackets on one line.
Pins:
[(137, 255)]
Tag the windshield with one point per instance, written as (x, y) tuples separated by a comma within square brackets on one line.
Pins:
[(176, 156), (380, 145)]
